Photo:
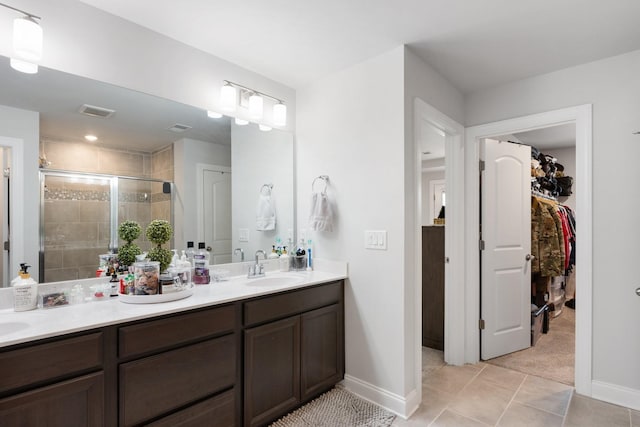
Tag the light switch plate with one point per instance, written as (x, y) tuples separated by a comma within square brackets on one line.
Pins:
[(375, 239), (243, 234)]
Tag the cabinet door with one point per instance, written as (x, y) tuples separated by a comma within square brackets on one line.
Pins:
[(77, 402), (271, 370), (322, 363)]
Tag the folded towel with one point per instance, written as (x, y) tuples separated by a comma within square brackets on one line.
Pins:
[(266, 213), (321, 216)]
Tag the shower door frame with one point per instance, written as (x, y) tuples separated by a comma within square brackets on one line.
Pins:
[(113, 208)]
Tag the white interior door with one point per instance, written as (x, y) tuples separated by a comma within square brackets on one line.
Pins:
[(217, 214), (505, 259)]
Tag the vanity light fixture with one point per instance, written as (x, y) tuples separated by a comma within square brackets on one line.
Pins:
[(280, 114), (27, 42), (214, 114), (256, 102), (255, 106), (241, 122), (264, 128), (91, 138), (228, 97)]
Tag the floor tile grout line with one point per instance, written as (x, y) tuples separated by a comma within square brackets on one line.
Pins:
[(511, 401), (540, 409), (465, 416)]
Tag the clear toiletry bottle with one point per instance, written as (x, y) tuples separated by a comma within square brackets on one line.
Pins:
[(274, 253), (190, 252), (201, 266), (284, 260)]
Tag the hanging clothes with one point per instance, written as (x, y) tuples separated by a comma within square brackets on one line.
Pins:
[(546, 237)]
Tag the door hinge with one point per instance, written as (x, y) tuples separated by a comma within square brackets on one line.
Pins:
[(482, 245), (7, 245), (481, 165), (481, 324)]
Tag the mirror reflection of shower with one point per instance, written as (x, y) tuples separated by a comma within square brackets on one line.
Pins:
[(80, 214), (5, 217)]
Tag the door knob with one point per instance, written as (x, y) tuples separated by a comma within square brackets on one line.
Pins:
[(209, 248), (638, 291), (529, 257)]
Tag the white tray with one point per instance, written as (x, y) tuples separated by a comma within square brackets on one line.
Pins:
[(153, 299)]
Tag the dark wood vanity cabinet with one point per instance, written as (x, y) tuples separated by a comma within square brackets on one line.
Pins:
[(294, 353), (433, 287), (248, 362), (56, 382)]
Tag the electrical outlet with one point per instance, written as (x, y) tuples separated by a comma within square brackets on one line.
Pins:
[(243, 234)]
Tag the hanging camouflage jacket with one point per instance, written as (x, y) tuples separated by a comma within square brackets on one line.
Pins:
[(546, 235)]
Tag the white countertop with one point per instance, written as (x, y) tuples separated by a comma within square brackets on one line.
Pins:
[(20, 327)]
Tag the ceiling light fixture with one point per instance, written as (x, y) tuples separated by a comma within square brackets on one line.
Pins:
[(27, 42), (91, 138), (229, 102), (214, 114)]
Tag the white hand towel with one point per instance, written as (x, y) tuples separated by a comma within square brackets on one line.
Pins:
[(321, 216), (266, 213)]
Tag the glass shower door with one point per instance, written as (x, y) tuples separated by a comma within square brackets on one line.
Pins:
[(75, 225)]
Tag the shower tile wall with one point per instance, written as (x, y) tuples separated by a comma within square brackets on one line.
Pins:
[(77, 216)]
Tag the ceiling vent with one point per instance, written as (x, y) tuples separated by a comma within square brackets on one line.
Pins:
[(179, 128), (93, 111)]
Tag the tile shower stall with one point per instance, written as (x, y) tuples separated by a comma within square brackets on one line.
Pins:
[(80, 213)]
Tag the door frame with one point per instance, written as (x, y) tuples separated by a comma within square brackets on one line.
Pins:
[(453, 235), (582, 117), (16, 206), (200, 168)]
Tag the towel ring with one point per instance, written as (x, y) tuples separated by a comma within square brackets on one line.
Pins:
[(324, 178), (268, 187)]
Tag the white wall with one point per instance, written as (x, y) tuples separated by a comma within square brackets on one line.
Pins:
[(567, 158), (25, 125), (612, 86), (350, 127), (261, 158), (339, 133), (187, 153), (88, 42), (427, 201)]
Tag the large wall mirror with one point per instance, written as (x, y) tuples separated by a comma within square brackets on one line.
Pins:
[(209, 177)]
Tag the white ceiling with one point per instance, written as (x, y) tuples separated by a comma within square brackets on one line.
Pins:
[(475, 44), (561, 136)]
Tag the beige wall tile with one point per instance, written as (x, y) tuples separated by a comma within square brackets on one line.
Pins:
[(94, 211), (60, 274), (83, 257), (72, 156), (53, 259), (61, 211)]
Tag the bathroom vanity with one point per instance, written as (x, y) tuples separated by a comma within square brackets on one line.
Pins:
[(235, 353)]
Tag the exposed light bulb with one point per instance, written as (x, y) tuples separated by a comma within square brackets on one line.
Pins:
[(255, 106), (23, 66), (27, 39), (91, 138), (214, 114), (280, 114), (241, 122), (228, 97), (264, 128)]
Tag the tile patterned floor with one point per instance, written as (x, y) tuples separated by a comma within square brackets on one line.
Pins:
[(486, 395)]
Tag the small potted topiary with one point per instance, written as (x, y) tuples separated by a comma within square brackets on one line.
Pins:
[(128, 231), (159, 232)]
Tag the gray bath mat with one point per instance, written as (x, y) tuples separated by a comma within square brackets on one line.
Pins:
[(337, 408)]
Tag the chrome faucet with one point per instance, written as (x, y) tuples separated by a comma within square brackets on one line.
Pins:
[(239, 250), (257, 270)]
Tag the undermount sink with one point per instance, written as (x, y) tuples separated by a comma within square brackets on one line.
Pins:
[(275, 281), (12, 327)]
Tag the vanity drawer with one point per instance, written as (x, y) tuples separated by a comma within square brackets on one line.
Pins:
[(165, 333), (290, 303), (159, 384), (217, 411), (43, 362)]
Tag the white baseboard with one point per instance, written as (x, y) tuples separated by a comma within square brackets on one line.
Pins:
[(616, 394), (401, 406)]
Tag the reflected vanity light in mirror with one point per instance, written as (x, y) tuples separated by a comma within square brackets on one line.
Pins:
[(91, 138), (214, 114), (24, 66), (264, 128), (241, 122)]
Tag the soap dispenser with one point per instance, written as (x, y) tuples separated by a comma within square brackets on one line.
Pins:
[(25, 290)]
